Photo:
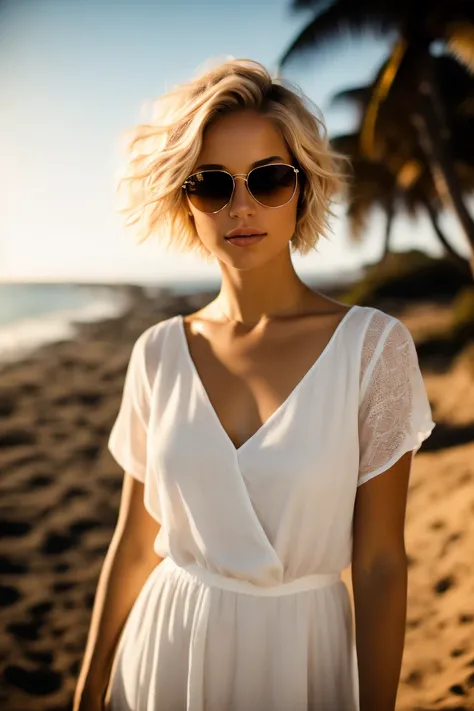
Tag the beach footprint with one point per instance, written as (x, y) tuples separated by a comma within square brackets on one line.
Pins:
[(37, 682)]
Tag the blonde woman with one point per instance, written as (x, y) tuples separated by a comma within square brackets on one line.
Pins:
[(253, 434)]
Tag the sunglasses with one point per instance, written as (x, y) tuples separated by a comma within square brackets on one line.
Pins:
[(271, 185)]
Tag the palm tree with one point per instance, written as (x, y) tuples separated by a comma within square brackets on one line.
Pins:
[(396, 136), (411, 190), (417, 24), (398, 145), (370, 185)]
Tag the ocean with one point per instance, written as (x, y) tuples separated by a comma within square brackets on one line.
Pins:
[(32, 314)]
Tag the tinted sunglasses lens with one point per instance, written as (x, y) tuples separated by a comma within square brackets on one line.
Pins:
[(272, 185), (209, 191)]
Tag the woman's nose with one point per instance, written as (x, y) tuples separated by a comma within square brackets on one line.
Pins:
[(242, 202)]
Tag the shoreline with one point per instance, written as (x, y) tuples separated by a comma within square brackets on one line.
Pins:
[(21, 337)]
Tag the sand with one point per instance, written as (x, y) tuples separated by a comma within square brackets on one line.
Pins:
[(60, 491)]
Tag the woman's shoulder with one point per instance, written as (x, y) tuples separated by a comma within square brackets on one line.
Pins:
[(370, 314), (148, 346), (156, 333), (375, 321), (372, 330), (384, 339)]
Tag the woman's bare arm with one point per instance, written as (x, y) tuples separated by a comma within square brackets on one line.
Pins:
[(379, 582), (129, 561)]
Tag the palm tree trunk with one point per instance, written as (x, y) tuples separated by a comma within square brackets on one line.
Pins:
[(433, 131), (388, 232), (459, 261)]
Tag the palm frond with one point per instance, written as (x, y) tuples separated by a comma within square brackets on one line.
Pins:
[(316, 5), (398, 8), (339, 19), (357, 215), (347, 143), (466, 108), (359, 209), (460, 42), (370, 185), (409, 174), (379, 94), (465, 173), (358, 97), (462, 139), (455, 81)]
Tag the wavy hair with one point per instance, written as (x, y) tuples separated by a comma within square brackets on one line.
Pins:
[(160, 153)]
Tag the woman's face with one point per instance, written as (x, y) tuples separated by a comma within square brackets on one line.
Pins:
[(234, 143)]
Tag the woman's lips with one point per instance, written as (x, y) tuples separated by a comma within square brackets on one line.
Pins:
[(244, 231), (245, 240)]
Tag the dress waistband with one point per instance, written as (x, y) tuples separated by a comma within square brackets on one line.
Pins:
[(197, 572)]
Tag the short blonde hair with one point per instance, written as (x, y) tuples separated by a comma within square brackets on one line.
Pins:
[(162, 152)]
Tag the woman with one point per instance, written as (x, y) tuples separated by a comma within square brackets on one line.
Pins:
[(252, 434)]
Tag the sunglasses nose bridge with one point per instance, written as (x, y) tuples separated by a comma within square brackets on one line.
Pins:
[(240, 176), (244, 177)]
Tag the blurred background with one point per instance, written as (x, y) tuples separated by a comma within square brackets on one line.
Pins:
[(395, 82)]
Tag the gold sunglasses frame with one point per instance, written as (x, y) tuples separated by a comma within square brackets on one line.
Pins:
[(244, 177)]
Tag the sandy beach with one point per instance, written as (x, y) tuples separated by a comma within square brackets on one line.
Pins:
[(60, 492)]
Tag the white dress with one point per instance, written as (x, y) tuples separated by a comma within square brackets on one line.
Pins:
[(247, 611)]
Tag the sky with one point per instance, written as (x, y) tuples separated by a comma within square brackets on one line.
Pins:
[(76, 73)]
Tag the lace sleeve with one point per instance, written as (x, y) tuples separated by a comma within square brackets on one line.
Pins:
[(127, 440), (394, 410)]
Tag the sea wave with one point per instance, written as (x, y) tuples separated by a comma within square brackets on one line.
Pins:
[(24, 335)]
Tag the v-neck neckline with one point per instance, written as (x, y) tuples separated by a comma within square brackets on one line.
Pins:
[(280, 408)]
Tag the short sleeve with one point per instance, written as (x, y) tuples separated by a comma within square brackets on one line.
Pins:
[(128, 438), (394, 411)]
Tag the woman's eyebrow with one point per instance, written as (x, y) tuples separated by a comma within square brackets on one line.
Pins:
[(217, 166)]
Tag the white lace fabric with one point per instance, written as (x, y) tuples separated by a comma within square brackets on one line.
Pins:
[(394, 410)]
